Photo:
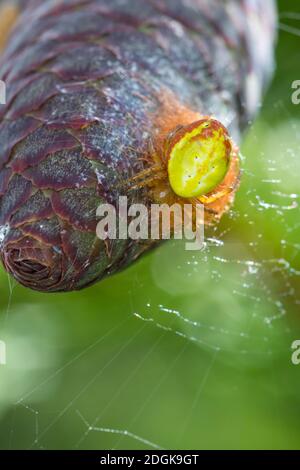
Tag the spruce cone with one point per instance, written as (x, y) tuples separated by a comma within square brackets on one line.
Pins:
[(90, 84)]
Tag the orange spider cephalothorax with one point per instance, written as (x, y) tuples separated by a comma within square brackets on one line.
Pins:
[(197, 163)]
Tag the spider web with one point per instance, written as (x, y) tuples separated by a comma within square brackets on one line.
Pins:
[(195, 350)]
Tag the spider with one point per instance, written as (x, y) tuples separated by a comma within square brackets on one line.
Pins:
[(192, 166)]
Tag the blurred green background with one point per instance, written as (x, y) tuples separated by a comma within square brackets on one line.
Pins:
[(183, 350)]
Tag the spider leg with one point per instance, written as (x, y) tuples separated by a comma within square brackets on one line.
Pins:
[(154, 155), (215, 196), (8, 16)]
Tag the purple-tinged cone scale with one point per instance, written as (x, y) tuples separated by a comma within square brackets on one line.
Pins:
[(90, 85)]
